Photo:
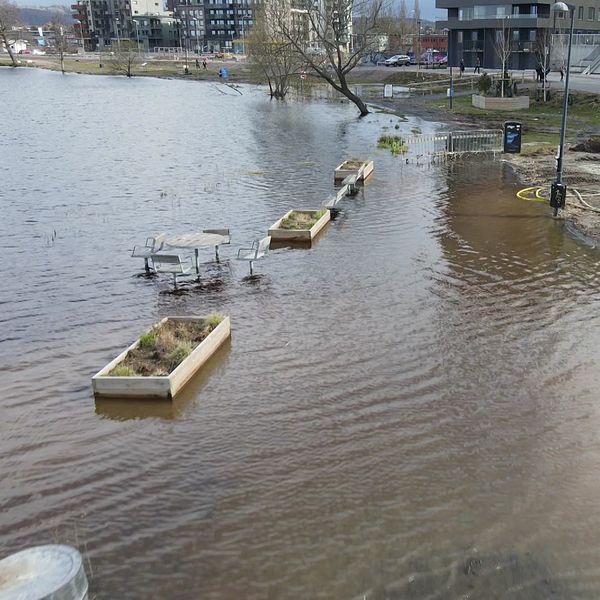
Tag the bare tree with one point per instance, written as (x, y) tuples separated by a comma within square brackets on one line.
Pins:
[(124, 58), (274, 57), (61, 43), (9, 17), (542, 48), (504, 48), (321, 34)]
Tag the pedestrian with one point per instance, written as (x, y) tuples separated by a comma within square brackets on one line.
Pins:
[(204, 63), (562, 73), (462, 67), (197, 64), (477, 66), (539, 73)]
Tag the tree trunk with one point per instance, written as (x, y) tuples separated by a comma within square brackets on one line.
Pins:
[(12, 56), (344, 89)]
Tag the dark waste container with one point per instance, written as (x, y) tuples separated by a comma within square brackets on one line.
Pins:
[(512, 137)]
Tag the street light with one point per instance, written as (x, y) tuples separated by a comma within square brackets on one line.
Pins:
[(244, 35), (558, 191), (117, 30), (137, 32)]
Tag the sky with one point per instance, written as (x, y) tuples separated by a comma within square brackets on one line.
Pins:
[(428, 10)]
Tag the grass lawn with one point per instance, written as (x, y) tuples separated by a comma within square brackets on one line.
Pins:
[(541, 122)]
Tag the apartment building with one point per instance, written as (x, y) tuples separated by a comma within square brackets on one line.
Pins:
[(476, 26)]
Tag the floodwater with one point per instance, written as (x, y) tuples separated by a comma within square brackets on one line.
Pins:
[(407, 409)]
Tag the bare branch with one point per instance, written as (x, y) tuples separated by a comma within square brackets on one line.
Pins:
[(9, 18)]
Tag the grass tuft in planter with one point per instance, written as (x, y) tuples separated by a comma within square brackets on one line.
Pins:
[(162, 349), (301, 220)]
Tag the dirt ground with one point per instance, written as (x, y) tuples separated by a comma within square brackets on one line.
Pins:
[(581, 171)]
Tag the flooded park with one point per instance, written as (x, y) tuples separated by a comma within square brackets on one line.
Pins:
[(406, 409)]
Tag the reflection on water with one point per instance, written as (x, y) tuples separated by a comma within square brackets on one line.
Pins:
[(414, 393)]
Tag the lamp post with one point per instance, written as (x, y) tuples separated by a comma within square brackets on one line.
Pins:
[(418, 44), (117, 31), (244, 17), (137, 33), (558, 191)]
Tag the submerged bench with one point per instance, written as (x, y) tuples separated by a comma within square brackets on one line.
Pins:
[(258, 250), (151, 246), (173, 264)]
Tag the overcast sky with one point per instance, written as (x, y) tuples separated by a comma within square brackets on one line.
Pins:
[(428, 10)]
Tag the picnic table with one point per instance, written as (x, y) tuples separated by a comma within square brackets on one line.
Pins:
[(196, 241)]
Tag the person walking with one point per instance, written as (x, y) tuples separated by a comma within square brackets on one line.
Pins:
[(562, 74), (197, 64), (462, 67), (477, 66), (204, 63)]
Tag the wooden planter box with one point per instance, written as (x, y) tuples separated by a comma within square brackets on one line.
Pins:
[(351, 167), (167, 386), (492, 103), (298, 235)]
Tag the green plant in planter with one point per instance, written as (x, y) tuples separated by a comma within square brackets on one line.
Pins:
[(148, 340), (213, 320), (121, 371), (301, 220)]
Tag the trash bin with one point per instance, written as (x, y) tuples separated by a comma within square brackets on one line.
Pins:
[(512, 137), (43, 572)]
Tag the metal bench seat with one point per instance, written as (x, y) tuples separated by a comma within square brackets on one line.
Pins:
[(258, 250), (173, 264)]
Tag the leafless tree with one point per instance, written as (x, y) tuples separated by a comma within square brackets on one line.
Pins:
[(274, 57), (504, 47), (61, 43), (124, 58), (321, 34), (9, 17), (542, 48)]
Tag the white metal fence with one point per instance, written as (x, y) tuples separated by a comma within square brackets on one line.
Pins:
[(455, 142)]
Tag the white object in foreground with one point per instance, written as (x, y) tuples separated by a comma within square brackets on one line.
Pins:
[(167, 386), (52, 572)]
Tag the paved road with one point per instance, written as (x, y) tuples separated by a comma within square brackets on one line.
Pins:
[(580, 83)]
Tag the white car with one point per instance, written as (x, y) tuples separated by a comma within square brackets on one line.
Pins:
[(397, 60)]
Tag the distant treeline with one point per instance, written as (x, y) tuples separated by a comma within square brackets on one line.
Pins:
[(36, 17)]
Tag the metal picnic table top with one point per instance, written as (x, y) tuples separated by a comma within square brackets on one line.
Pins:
[(194, 240)]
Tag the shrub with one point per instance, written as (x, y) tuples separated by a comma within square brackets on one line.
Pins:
[(484, 84), (394, 143)]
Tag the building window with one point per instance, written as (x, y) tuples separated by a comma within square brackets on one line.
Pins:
[(580, 13), (465, 14), (459, 37), (591, 13), (532, 35)]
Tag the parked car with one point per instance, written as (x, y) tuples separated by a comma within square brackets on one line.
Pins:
[(398, 60)]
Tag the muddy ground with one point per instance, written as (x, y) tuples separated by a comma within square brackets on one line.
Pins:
[(581, 172)]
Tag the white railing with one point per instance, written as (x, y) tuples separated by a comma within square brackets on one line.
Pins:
[(456, 142)]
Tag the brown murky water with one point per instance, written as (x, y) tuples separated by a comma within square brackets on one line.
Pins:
[(408, 409)]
